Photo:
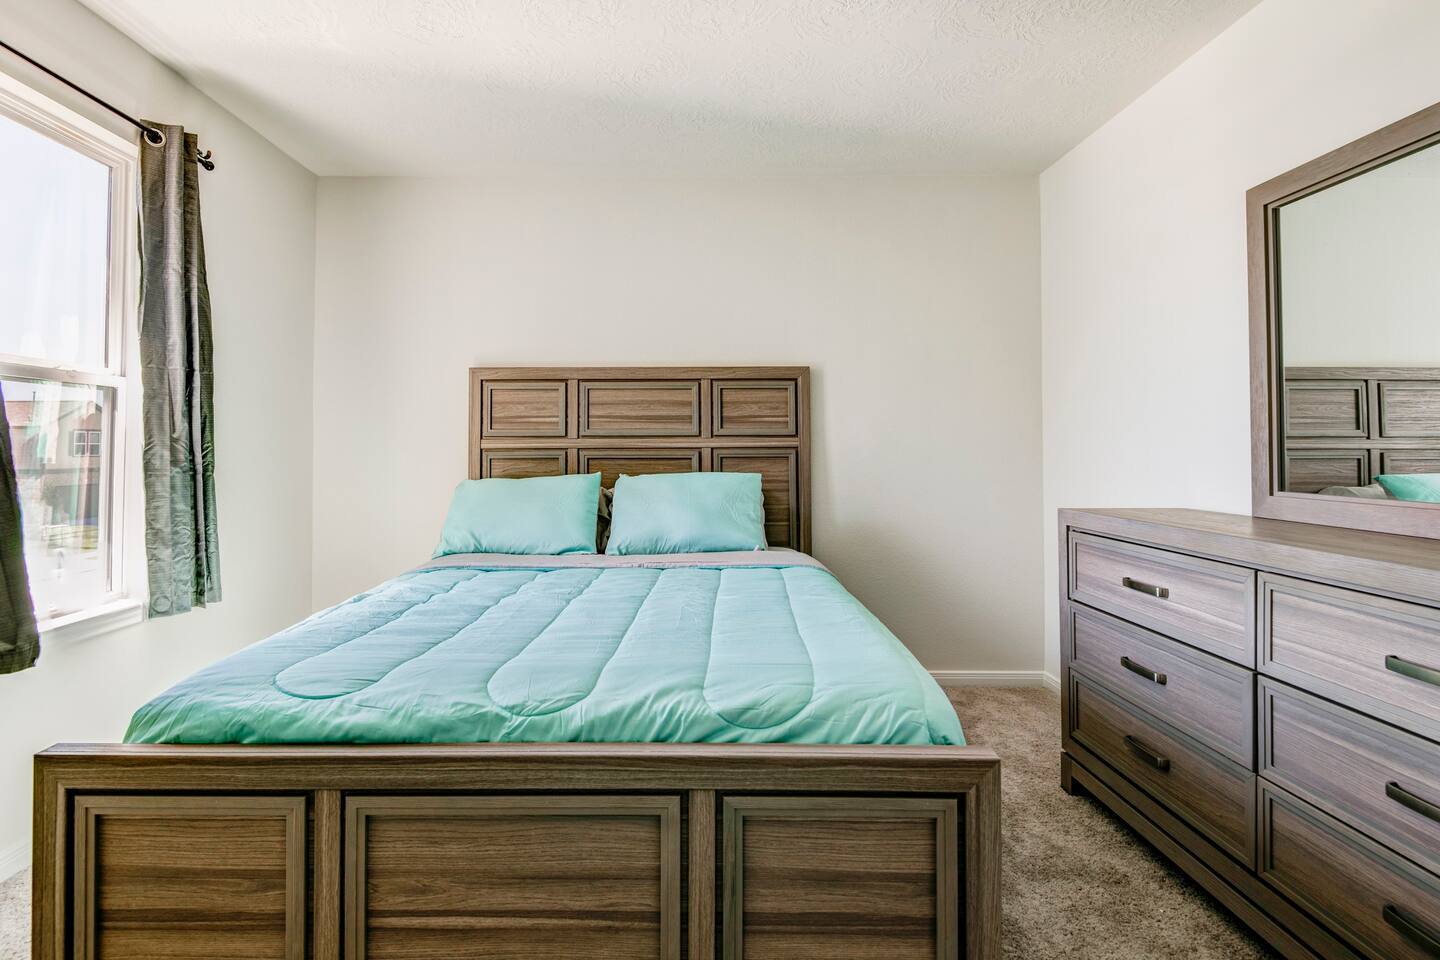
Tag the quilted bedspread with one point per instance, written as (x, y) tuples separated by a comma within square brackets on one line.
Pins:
[(733, 648)]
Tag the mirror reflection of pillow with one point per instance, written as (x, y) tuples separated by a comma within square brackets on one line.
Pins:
[(1372, 491), (1417, 487)]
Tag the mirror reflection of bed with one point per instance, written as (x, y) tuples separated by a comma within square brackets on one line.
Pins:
[(1348, 426), (1359, 334)]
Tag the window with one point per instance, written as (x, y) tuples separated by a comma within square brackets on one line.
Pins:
[(67, 307), (85, 443)]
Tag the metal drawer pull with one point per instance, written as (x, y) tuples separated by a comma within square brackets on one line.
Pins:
[(1149, 756), (1405, 798), (1145, 672), (1162, 592), (1412, 928), (1415, 671)]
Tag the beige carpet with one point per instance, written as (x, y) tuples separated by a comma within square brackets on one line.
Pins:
[(15, 917), (1077, 882)]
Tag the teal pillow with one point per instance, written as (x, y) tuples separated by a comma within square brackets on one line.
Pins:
[(542, 515), (686, 513), (1420, 487)]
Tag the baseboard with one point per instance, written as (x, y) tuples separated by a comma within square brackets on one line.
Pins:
[(1052, 681), (13, 859), (995, 678)]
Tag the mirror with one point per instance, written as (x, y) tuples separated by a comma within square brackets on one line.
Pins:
[(1359, 323), (1348, 289)]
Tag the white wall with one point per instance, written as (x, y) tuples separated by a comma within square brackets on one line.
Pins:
[(1358, 278), (259, 212), (914, 300), (1143, 285)]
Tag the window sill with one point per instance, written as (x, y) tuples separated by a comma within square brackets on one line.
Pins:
[(92, 623)]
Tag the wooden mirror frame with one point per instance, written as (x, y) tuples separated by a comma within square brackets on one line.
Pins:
[(1262, 205)]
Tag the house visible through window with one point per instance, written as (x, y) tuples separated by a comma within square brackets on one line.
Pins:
[(85, 443), (66, 303)]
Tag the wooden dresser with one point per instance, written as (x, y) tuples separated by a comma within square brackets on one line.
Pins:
[(1261, 701)]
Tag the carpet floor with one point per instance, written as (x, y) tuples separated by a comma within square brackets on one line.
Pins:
[(1077, 882)]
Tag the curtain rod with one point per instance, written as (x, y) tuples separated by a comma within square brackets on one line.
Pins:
[(152, 135)]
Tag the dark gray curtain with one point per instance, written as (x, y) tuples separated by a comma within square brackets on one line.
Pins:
[(19, 640), (182, 548)]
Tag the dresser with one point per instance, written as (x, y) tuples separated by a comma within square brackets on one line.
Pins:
[(1260, 700)]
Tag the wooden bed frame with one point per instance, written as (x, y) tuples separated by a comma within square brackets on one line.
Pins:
[(493, 851)]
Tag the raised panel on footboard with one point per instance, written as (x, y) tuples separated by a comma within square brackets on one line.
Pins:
[(179, 876), (867, 877), (512, 877)]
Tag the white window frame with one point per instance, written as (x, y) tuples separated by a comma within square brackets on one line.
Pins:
[(122, 512)]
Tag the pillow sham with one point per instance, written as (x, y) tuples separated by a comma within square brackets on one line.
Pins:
[(686, 513), (539, 515), (1419, 487), (1371, 491)]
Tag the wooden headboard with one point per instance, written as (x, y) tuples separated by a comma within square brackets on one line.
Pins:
[(544, 421), (1346, 425)]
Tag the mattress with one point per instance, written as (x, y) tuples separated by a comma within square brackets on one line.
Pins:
[(761, 647)]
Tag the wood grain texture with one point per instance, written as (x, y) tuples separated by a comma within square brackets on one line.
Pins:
[(326, 876), (1342, 762), (980, 866), (754, 408), (828, 877), (1346, 594), (1269, 496), (1395, 566), (1215, 794), (969, 774), (510, 877), (195, 876), (1334, 642), (517, 464), (524, 408), (779, 486), (1326, 408), (537, 421), (1209, 605), (1310, 470), (639, 408), (1346, 425), (1344, 879), (1422, 460), (1410, 408), (701, 913), (610, 464), (1211, 699)]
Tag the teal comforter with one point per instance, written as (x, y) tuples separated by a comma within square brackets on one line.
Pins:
[(757, 648)]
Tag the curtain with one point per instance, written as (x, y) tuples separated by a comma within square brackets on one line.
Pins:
[(182, 549), (19, 640)]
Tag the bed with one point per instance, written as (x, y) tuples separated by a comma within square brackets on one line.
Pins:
[(498, 756)]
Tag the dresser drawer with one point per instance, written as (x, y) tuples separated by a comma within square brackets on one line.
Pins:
[(1384, 905), (1373, 776), (1213, 700), (1206, 604), (1215, 794), (1377, 655)]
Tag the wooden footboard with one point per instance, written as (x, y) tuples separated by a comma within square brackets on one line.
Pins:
[(516, 851)]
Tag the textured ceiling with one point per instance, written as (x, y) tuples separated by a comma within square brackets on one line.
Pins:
[(392, 87)]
